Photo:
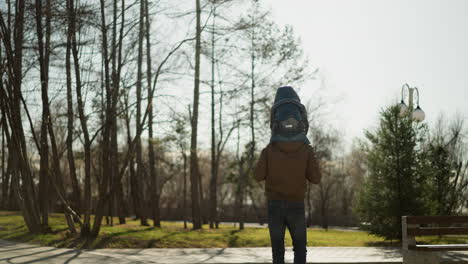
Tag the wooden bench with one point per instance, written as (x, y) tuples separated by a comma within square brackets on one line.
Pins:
[(413, 226)]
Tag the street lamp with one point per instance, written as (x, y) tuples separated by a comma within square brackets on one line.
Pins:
[(417, 114)]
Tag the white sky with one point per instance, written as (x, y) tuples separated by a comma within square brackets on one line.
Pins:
[(367, 49)]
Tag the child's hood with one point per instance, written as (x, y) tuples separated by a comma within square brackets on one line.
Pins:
[(288, 105)]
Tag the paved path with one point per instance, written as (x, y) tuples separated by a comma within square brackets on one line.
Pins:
[(28, 253)]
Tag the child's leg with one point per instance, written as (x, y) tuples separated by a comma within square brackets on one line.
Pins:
[(295, 221), (276, 225)]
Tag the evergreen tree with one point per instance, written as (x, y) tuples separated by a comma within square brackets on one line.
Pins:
[(395, 185)]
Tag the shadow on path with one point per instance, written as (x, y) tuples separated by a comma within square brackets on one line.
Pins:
[(221, 251), (13, 249), (27, 255), (51, 257)]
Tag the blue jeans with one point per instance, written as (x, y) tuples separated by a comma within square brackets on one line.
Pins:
[(282, 214)]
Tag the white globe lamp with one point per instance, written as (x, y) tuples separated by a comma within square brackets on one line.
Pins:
[(418, 114), (403, 108)]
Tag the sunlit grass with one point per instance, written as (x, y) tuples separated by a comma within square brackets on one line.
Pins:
[(436, 240), (173, 235)]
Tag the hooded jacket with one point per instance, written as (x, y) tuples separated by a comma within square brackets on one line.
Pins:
[(285, 166)]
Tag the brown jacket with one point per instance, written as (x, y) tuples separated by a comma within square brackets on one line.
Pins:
[(285, 166)]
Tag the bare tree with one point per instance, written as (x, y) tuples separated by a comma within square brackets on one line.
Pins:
[(48, 175), (70, 113), (11, 106), (217, 145), (447, 166), (151, 157), (139, 196), (107, 127), (325, 145), (44, 52), (194, 169), (120, 194), (116, 59)]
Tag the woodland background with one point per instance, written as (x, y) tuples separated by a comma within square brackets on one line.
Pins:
[(158, 110)]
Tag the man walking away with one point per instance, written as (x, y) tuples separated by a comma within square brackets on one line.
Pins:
[(285, 164)]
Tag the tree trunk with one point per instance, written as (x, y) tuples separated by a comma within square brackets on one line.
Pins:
[(194, 170), (214, 176), (324, 218), (131, 169), (5, 176), (44, 145), (246, 173), (86, 206), (241, 194), (239, 187), (121, 205), (139, 159), (323, 205), (113, 155), (12, 203), (122, 209), (185, 190), (106, 168), (252, 94), (203, 212), (152, 172), (70, 118), (116, 58)]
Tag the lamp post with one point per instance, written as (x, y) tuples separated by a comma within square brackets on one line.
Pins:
[(417, 113)]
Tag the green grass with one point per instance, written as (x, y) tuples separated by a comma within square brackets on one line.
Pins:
[(435, 240), (173, 235)]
